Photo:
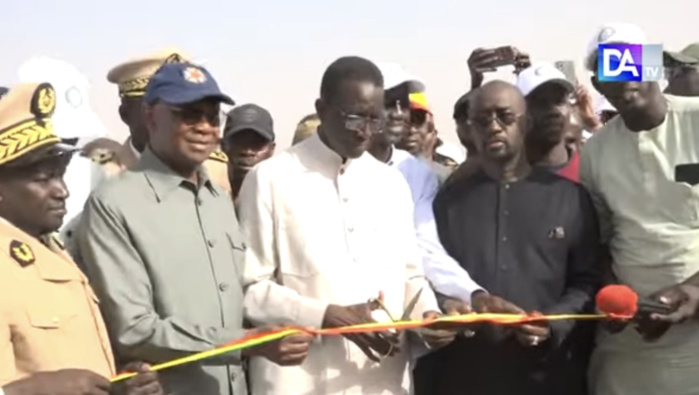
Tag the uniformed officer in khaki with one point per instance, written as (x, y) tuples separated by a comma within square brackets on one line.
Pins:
[(132, 77), (49, 317)]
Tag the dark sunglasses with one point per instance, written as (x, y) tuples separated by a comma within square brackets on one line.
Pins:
[(504, 119), (193, 115)]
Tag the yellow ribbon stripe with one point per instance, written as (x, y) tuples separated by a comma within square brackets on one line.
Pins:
[(471, 318)]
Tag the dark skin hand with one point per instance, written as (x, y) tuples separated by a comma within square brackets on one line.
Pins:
[(482, 60), (435, 338), (479, 62), (145, 383), (61, 382), (291, 350), (684, 301), (453, 306), (522, 61), (385, 344), (532, 334)]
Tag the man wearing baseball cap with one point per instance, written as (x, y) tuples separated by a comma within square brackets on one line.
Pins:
[(248, 139), (683, 68), (132, 78), (163, 247), (422, 140), (548, 94), (421, 135), (642, 171), (398, 85)]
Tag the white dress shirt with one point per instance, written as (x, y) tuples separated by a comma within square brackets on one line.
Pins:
[(321, 231), (442, 271)]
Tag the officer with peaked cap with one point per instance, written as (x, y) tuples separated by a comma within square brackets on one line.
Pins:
[(74, 122), (52, 336), (132, 77), (162, 244)]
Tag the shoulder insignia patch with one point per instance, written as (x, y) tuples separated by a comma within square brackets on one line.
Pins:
[(21, 253), (219, 156)]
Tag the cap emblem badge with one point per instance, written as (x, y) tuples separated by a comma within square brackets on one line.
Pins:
[(194, 75)]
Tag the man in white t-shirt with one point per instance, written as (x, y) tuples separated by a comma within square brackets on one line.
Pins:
[(642, 170)]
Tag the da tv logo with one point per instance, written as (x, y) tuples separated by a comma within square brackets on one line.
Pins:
[(629, 62)]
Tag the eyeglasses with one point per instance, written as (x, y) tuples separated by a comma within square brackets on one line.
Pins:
[(360, 123), (193, 115), (504, 119)]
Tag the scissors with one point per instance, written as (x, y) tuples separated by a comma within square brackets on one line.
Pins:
[(378, 304)]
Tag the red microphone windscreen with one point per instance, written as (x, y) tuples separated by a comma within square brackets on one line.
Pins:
[(617, 300)]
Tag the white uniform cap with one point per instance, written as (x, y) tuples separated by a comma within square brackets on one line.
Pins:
[(394, 75), (539, 74), (73, 117), (622, 33)]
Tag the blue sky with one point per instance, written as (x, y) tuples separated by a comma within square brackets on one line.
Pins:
[(274, 52)]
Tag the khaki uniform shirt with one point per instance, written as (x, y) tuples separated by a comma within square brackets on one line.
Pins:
[(651, 223), (49, 316), (166, 258)]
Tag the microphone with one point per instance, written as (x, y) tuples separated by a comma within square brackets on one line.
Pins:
[(620, 300)]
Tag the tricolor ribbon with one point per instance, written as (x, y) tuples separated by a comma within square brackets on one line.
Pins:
[(471, 318)]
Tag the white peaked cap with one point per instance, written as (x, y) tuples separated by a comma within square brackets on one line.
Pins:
[(73, 118), (394, 75), (540, 73), (622, 33)]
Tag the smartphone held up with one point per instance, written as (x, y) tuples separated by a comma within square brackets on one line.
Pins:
[(488, 60)]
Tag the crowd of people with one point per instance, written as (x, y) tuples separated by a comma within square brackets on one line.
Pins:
[(198, 233)]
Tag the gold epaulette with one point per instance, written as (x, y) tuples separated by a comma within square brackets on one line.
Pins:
[(102, 156), (219, 156), (134, 88)]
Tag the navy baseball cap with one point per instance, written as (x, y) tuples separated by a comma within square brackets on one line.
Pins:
[(183, 83)]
